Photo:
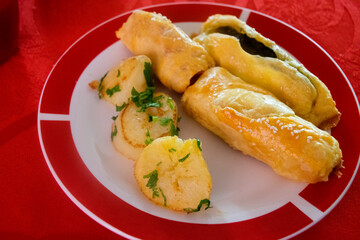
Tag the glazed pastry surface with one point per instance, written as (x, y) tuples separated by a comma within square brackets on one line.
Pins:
[(176, 58), (255, 122), (258, 60)]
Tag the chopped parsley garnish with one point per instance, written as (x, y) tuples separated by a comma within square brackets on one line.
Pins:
[(184, 158), (169, 102), (162, 194), (165, 121), (198, 143), (114, 117), (118, 73), (111, 91), (148, 140), (148, 74), (152, 104), (153, 118), (202, 202), (145, 99), (101, 87), (119, 108), (158, 164), (153, 178), (140, 98), (178, 119), (113, 133), (174, 130), (172, 150)]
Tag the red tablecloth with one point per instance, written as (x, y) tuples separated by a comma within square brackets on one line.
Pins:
[(32, 205)]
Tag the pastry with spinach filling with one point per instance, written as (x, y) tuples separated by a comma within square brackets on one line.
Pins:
[(258, 60)]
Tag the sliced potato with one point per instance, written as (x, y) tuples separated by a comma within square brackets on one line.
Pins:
[(134, 129), (116, 85), (173, 173)]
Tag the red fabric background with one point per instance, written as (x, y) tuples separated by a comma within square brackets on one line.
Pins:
[(32, 205)]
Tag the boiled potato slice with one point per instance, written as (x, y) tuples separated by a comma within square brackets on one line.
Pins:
[(116, 85), (172, 172), (133, 130)]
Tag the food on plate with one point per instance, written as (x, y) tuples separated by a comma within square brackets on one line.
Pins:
[(116, 85), (143, 114), (173, 173), (135, 127), (252, 120), (260, 100), (176, 58), (247, 54)]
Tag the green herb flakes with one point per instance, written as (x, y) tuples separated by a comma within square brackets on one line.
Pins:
[(113, 133), (114, 117), (148, 74), (170, 103), (111, 91), (153, 118), (148, 141), (153, 178), (184, 158), (118, 73), (101, 87), (172, 150), (119, 108), (165, 121), (163, 195), (198, 143), (102, 79), (202, 202), (174, 131), (145, 99)]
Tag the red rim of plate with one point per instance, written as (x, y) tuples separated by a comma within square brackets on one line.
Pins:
[(104, 207)]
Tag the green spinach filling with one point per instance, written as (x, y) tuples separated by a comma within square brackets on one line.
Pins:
[(250, 45)]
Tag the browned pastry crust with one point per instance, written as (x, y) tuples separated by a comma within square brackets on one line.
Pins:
[(267, 65), (252, 120), (175, 57)]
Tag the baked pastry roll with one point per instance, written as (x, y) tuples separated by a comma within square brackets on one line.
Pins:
[(176, 58), (252, 120), (258, 60)]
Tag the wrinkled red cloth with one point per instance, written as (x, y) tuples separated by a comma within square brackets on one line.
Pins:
[(32, 205)]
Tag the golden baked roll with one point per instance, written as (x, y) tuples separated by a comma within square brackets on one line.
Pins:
[(176, 58), (258, 60), (252, 120)]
